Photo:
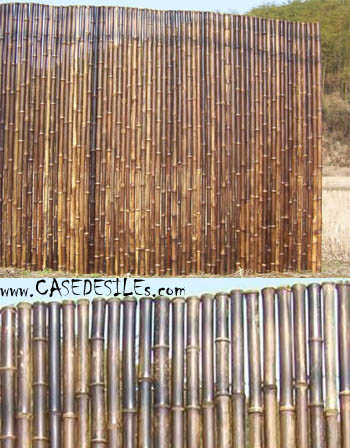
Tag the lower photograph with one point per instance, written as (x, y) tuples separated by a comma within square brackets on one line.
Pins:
[(260, 363)]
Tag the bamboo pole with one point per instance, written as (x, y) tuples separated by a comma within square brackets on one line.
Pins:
[(237, 346), (254, 366), (145, 374), (8, 377), (207, 352), (344, 361), (287, 409), (54, 317), (161, 414), (40, 377), (329, 325), (24, 377), (315, 350), (69, 370), (97, 385), (178, 369), (270, 395), (83, 374), (222, 349), (114, 416), (301, 379), (129, 373), (193, 418)]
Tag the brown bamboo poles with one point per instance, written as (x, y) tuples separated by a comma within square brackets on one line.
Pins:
[(159, 142), (193, 378)]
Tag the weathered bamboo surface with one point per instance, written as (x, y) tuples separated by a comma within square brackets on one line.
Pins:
[(158, 142), (242, 369)]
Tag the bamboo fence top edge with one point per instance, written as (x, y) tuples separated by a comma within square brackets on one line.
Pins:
[(151, 10)]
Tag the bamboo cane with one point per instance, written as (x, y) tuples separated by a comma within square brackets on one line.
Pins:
[(254, 365), (129, 396), (238, 393), (69, 369), (287, 410), (315, 343), (344, 361), (8, 377), (270, 398), (161, 415), (97, 385), (40, 379), (208, 410), (83, 374), (177, 379), (193, 420), (222, 347), (24, 377), (331, 412), (301, 380), (114, 417), (145, 374), (54, 317)]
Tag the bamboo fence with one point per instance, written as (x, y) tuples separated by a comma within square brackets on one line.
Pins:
[(158, 142), (247, 369)]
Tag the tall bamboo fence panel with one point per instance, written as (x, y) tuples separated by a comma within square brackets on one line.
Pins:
[(158, 142), (244, 369)]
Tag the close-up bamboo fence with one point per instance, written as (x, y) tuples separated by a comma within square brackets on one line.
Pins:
[(251, 369), (158, 142)]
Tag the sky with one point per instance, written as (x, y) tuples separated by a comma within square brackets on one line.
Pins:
[(237, 6)]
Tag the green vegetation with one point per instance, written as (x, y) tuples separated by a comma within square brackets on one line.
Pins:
[(334, 18)]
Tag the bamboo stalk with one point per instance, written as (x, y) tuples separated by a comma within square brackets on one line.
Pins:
[(270, 395), (193, 418), (97, 385), (254, 366), (129, 373), (238, 392), (344, 361), (54, 312), (287, 409), (114, 416), (329, 325), (68, 416), (83, 374), (301, 379), (315, 347), (222, 348), (8, 377), (40, 377), (161, 403), (208, 405), (178, 369), (24, 377)]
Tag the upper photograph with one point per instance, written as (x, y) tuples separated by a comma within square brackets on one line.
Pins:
[(175, 143)]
